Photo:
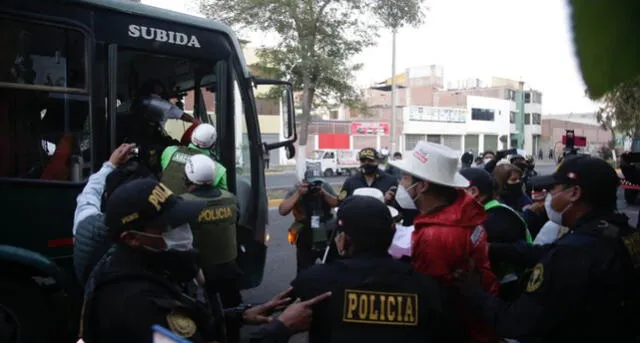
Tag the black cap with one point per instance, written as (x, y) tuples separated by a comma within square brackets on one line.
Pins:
[(479, 178), (360, 216), (591, 173), (368, 154), (146, 202)]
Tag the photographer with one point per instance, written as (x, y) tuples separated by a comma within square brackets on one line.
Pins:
[(311, 202)]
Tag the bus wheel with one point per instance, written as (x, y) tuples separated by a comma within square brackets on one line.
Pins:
[(630, 196), (328, 172), (25, 313)]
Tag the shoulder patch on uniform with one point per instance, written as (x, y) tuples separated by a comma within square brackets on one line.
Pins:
[(342, 195), (382, 308), (536, 278), (632, 243), (180, 324), (477, 233)]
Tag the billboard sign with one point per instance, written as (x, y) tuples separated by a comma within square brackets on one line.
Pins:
[(438, 114), (370, 128)]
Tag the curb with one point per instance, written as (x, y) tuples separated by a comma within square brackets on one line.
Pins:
[(274, 202)]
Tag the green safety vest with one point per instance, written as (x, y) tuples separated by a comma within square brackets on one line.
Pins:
[(214, 231), (173, 173), (175, 157), (495, 203)]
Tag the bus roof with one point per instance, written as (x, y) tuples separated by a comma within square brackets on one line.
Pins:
[(131, 7)]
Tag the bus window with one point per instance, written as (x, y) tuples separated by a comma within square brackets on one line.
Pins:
[(243, 157), (178, 80), (44, 102)]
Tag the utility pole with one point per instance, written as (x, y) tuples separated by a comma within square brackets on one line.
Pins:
[(393, 91)]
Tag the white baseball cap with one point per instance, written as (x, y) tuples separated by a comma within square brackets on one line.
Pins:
[(377, 194), (434, 163), (200, 169)]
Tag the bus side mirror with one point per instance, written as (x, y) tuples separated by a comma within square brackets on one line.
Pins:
[(287, 114)]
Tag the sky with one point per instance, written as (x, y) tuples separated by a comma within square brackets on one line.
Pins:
[(527, 40)]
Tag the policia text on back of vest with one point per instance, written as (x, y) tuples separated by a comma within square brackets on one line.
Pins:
[(214, 232)]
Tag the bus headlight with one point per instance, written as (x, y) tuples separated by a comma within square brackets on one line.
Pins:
[(266, 237)]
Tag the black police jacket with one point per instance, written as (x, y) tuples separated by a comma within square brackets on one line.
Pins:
[(126, 295), (583, 288), (375, 299), (382, 181)]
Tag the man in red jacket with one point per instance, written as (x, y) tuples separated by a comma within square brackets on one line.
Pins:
[(448, 232)]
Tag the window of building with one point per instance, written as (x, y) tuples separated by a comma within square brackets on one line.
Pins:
[(512, 117), (527, 97), (434, 138), (410, 141), (44, 102), (527, 118), (536, 118), (510, 94), (490, 142), (452, 141), (482, 114), (471, 142), (536, 98)]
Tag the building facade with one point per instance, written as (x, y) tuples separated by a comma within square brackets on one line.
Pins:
[(583, 124)]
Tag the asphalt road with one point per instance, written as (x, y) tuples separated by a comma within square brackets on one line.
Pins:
[(288, 179), (280, 268)]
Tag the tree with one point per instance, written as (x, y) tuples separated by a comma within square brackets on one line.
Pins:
[(621, 109), (317, 39)]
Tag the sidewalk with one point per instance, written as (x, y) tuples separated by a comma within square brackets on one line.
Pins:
[(280, 169)]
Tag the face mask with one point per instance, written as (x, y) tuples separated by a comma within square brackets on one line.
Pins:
[(514, 189), (403, 198), (177, 239), (486, 160), (554, 216), (369, 168), (522, 166)]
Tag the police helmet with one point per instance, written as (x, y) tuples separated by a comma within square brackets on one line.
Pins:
[(204, 136), (200, 169)]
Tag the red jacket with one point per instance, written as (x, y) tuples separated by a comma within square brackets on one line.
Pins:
[(446, 241)]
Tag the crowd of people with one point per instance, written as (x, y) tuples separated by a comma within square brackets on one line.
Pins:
[(495, 253)]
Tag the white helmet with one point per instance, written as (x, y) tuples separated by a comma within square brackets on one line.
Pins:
[(204, 136), (200, 169)]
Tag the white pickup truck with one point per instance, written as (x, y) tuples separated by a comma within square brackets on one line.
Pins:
[(330, 162)]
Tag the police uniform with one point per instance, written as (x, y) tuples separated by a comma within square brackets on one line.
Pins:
[(214, 235), (585, 286), (132, 289), (381, 181), (374, 298)]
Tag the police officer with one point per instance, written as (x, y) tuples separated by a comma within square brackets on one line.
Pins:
[(374, 297), (369, 175), (141, 282), (214, 233), (136, 286), (584, 287), (174, 157)]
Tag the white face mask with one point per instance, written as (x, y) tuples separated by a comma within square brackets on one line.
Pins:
[(404, 199), (177, 239), (554, 216), (486, 160)]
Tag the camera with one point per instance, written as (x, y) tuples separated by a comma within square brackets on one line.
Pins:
[(315, 187)]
